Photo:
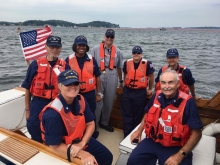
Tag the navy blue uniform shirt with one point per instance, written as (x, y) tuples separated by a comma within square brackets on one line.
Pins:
[(187, 76), (150, 68), (32, 71), (53, 123), (96, 72), (190, 115)]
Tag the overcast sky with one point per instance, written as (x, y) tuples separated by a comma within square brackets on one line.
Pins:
[(126, 13)]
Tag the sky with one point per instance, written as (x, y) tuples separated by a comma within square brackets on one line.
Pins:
[(126, 13)]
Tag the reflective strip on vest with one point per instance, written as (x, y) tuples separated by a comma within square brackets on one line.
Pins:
[(57, 104)]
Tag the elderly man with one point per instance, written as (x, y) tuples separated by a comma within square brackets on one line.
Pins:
[(172, 126), (109, 59), (185, 76), (41, 83), (137, 73)]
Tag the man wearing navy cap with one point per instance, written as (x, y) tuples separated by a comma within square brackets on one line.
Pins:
[(89, 74), (137, 73), (185, 75), (41, 84), (67, 124), (109, 59)]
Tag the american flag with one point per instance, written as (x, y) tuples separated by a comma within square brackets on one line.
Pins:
[(33, 42)]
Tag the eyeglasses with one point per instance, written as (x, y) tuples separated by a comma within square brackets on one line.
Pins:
[(112, 37), (72, 84), (136, 52), (54, 47)]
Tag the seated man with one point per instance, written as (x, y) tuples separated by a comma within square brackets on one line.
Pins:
[(172, 126), (67, 124)]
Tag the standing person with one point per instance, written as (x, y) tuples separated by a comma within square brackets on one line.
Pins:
[(137, 73), (89, 74), (67, 124), (185, 75), (109, 59), (41, 83), (172, 126)]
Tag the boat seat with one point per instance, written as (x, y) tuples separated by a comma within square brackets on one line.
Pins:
[(203, 153)]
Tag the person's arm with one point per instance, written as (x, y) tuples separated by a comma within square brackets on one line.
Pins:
[(27, 100), (120, 77), (187, 148), (98, 89), (192, 91), (151, 83)]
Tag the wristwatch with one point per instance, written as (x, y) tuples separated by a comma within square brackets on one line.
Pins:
[(100, 94), (121, 81), (183, 153)]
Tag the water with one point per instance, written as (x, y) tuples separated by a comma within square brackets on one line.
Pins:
[(199, 50)]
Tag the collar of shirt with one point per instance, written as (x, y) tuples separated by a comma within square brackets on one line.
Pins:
[(176, 68), (74, 107), (164, 101)]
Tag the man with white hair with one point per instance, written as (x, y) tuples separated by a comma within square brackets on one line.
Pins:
[(172, 126)]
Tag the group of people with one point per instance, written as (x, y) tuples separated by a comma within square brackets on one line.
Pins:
[(65, 101)]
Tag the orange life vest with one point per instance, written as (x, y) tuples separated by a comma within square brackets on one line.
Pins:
[(75, 125), (86, 75), (183, 87), (45, 83), (165, 125), (102, 57), (136, 78)]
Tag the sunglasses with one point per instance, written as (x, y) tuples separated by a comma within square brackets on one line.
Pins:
[(112, 37), (136, 53), (74, 84)]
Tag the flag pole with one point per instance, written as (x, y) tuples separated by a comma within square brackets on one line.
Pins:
[(27, 61)]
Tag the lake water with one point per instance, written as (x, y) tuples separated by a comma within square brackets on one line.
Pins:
[(199, 50)]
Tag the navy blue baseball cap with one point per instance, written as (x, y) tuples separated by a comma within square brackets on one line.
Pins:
[(172, 53), (110, 32), (80, 40), (67, 77), (137, 49), (54, 41)]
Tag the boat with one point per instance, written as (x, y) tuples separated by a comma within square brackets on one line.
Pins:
[(12, 121), (163, 29)]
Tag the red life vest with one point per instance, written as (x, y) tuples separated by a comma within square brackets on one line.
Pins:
[(102, 57), (136, 78), (165, 125), (86, 75), (75, 125), (45, 83), (183, 87)]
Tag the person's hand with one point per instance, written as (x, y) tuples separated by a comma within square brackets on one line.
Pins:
[(174, 159), (27, 114), (120, 85), (196, 98), (75, 148), (98, 98), (149, 92), (87, 158), (136, 135)]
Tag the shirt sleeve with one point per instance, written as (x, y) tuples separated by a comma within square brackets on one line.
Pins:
[(188, 77), (54, 127), (150, 68), (191, 115), (88, 113), (31, 72), (150, 103), (120, 58), (158, 76), (97, 72)]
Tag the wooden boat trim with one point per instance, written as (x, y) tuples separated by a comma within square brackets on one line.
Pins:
[(41, 147)]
